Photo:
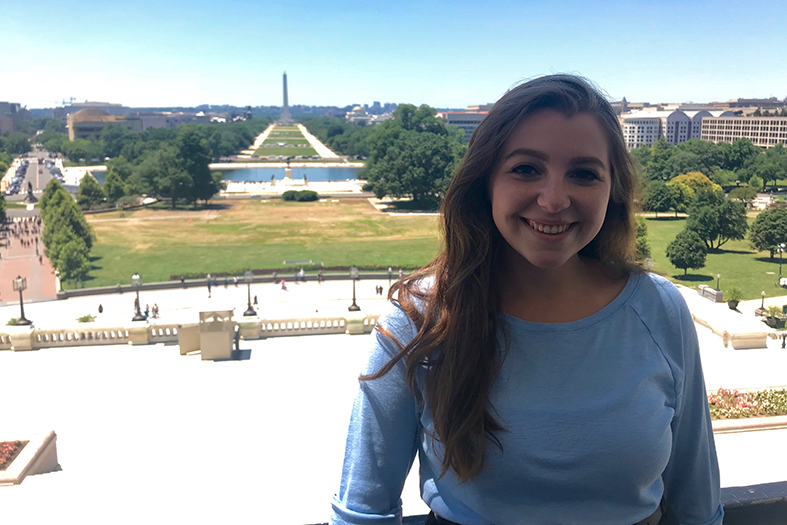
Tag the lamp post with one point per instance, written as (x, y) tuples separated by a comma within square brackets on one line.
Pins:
[(718, 278), (781, 249), (763, 301), (136, 283), (389, 276), (249, 277), (20, 283), (354, 275)]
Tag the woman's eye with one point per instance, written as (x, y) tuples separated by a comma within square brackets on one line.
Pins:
[(586, 175), (524, 169)]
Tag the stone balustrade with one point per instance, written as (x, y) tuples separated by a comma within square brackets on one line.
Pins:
[(30, 338)]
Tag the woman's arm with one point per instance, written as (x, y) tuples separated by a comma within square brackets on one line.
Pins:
[(691, 479), (383, 437)]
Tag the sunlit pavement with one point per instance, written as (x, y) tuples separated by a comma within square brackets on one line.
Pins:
[(146, 435)]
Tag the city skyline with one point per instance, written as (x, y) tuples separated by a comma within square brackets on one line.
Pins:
[(146, 54)]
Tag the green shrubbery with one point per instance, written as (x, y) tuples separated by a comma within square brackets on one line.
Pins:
[(300, 196)]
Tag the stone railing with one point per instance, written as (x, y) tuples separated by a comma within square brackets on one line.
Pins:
[(717, 296), (31, 338)]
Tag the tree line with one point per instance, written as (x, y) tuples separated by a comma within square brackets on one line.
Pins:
[(66, 235), (172, 163), (412, 154)]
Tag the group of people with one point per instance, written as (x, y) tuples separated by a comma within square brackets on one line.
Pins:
[(151, 313), (27, 231)]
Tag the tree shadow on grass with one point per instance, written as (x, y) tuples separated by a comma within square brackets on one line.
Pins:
[(413, 205), (722, 251), (692, 277), (665, 218), (774, 260)]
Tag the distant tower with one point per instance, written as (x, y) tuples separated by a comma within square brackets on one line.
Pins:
[(285, 110)]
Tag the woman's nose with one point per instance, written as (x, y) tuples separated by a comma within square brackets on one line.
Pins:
[(553, 195)]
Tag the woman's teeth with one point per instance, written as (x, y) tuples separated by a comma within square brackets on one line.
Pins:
[(545, 228)]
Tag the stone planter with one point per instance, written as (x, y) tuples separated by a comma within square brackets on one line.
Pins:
[(733, 305), (774, 322)]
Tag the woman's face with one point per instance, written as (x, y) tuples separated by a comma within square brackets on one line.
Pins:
[(550, 187)]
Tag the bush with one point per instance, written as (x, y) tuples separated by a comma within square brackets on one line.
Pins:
[(12, 321), (86, 319), (731, 404), (300, 196)]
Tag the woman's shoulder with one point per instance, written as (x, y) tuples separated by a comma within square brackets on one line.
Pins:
[(658, 291)]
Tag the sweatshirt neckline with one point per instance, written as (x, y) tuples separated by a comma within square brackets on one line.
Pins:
[(618, 302)]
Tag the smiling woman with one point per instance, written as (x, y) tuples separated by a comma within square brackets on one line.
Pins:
[(540, 376)]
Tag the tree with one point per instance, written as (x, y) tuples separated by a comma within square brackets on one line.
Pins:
[(682, 196), (696, 180), (660, 153), (682, 162), (687, 251), (769, 230), (2, 208), (643, 246), (194, 155), (113, 186), (723, 177), (738, 155), (113, 139), (717, 222), (744, 194), (658, 197), (17, 144), (418, 164), (73, 262), (90, 192), (641, 155)]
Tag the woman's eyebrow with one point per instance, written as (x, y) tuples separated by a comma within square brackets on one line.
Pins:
[(529, 153), (543, 156)]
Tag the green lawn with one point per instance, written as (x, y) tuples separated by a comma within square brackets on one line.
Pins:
[(739, 265), (286, 140), (284, 150), (255, 234)]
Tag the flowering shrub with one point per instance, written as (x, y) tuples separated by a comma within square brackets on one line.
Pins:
[(8, 452), (731, 404)]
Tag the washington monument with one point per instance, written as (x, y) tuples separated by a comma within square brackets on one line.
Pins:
[(285, 110)]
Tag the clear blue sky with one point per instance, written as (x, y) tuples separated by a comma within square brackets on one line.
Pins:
[(442, 53)]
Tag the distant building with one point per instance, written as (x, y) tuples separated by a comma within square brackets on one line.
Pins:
[(11, 115), (88, 122), (285, 110), (467, 120), (106, 107), (645, 127), (359, 115), (765, 132), (764, 103)]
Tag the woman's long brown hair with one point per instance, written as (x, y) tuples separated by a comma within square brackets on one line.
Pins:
[(458, 315)]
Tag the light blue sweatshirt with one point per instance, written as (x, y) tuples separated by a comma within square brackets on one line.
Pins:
[(602, 416)]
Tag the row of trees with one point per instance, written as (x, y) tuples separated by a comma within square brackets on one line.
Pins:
[(223, 139), (67, 236), (725, 164), (413, 153)]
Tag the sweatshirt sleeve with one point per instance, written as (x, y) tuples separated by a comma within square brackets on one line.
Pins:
[(691, 479), (383, 437)]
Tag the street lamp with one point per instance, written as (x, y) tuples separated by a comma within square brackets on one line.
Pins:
[(354, 275), (781, 249), (763, 301), (718, 277), (20, 283), (136, 283), (249, 277)]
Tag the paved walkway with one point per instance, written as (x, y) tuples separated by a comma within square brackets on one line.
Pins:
[(19, 260), (321, 149)]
